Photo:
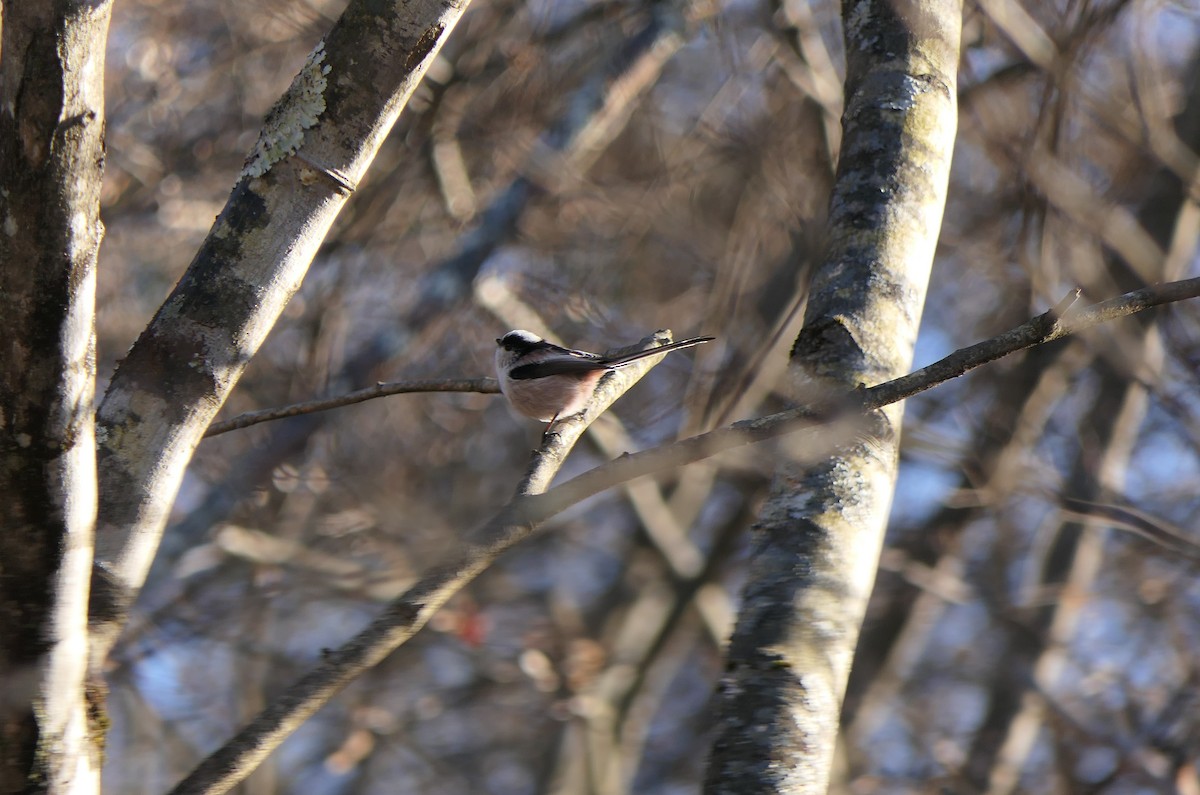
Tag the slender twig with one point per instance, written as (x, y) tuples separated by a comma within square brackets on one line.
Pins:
[(521, 517), (485, 386), (1154, 529)]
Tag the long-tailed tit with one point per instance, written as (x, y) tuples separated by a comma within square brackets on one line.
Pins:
[(547, 382)]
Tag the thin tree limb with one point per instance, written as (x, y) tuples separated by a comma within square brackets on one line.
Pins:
[(484, 386)]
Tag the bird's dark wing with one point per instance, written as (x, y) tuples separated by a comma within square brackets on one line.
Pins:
[(556, 366)]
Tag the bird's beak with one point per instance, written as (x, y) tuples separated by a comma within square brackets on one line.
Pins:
[(497, 340)]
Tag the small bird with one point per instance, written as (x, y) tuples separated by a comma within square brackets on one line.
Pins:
[(547, 382)]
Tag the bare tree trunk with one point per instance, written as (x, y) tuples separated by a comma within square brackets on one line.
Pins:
[(51, 164), (817, 542)]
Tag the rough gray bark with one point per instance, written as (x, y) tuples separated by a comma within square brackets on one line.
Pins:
[(817, 543), (314, 148), (51, 164)]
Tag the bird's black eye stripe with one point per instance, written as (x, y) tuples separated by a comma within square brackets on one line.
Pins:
[(510, 343), (521, 345)]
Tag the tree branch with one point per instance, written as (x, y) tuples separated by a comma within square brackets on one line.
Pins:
[(1037, 331), (315, 146), (484, 386), (532, 506)]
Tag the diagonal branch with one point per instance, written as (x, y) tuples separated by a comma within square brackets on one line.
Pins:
[(315, 146), (521, 518)]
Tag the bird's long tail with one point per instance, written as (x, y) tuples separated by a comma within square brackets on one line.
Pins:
[(624, 359)]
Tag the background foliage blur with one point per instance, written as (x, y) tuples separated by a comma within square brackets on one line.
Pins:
[(595, 171)]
